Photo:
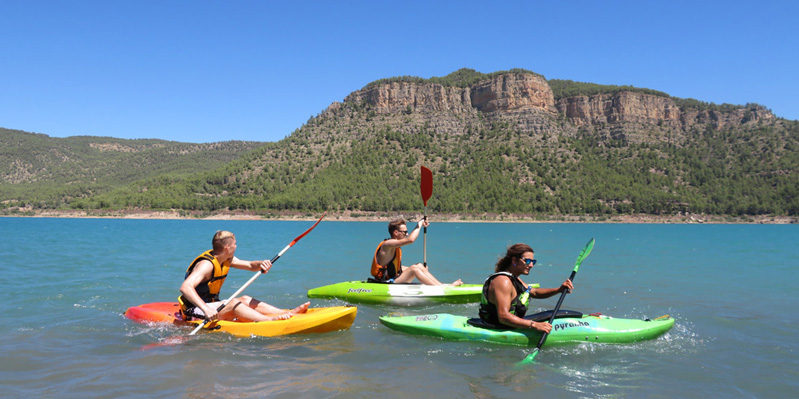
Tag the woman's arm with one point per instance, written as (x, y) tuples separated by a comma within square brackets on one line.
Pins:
[(541, 293)]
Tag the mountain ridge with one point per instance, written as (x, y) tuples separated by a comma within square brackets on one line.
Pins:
[(505, 142)]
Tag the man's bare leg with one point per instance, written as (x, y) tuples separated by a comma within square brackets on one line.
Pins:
[(240, 310), (249, 308), (422, 274)]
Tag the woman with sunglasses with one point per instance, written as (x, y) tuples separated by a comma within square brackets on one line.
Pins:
[(506, 296)]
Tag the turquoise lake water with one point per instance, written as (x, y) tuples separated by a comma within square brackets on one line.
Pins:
[(732, 289)]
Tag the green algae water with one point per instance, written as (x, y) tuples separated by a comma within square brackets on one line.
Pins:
[(67, 283)]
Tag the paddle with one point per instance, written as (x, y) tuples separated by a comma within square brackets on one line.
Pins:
[(427, 191), (235, 294), (583, 254)]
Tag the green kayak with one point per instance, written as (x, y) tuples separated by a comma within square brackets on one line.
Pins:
[(399, 294), (569, 326)]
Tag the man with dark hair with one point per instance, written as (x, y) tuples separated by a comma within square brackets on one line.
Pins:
[(387, 261)]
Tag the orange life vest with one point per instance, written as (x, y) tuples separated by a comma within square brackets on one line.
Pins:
[(208, 290), (381, 272)]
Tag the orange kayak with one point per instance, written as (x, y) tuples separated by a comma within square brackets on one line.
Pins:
[(316, 320)]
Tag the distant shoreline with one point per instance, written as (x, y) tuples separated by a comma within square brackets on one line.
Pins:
[(386, 216)]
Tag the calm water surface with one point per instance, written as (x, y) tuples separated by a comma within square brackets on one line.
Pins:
[(68, 281)]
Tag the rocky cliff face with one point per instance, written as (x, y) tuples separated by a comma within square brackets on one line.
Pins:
[(619, 107), (734, 118), (503, 93), (512, 92), (403, 97), (526, 102), (646, 108)]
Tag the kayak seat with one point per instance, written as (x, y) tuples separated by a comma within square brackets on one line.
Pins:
[(545, 315), (537, 317)]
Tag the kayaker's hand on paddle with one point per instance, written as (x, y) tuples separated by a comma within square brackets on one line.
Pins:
[(422, 223), (264, 265), (210, 313), (566, 286)]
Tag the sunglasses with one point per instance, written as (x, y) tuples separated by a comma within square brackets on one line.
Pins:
[(529, 262), (403, 232)]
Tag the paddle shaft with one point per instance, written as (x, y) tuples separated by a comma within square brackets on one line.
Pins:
[(424, 242), (555, 312), (258, 273), (583, 254)]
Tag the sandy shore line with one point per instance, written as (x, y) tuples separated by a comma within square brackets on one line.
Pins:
[(385, 216)]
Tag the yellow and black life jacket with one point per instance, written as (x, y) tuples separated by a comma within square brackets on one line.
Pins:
[(390, 271), (207, 290)]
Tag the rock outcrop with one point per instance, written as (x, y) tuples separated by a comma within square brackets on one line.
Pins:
[(526, 101), (502, 93), (618, 107), (635, 107), (512, 92)]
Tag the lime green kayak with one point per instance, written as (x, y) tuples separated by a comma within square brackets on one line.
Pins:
[(399, 294), (569, 326)]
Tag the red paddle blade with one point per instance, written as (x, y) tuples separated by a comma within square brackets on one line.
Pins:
[(307, 231), (427, 184)]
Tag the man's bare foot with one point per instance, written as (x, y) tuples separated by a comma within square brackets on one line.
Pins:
[(457, 283), (300, 309)]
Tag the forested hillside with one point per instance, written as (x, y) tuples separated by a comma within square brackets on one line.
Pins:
[(503, 149), (46, 172)]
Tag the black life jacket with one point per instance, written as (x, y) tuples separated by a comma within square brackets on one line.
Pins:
[(518, 306)]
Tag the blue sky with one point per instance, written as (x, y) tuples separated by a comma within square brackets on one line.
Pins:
[(203, 71)]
